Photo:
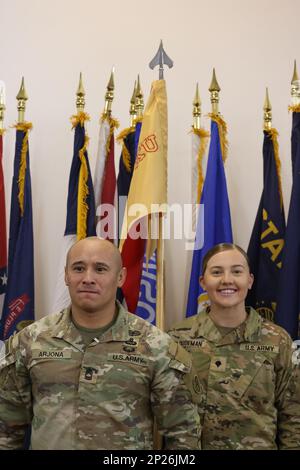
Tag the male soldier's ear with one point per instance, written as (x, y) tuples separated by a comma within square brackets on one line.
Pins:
[(66, 277), (122, 276)]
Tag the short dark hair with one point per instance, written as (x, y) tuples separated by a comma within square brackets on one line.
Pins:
[(218, 249)]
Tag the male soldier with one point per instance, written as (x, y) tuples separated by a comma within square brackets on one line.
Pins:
[(93, 376)]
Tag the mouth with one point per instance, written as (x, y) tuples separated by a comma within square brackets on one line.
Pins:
[(227, 292), (88, 292)]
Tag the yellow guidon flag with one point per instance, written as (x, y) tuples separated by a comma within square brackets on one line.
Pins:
[(148, 188)]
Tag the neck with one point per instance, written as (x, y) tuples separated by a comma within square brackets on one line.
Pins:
[(231, 316), (93, 319)]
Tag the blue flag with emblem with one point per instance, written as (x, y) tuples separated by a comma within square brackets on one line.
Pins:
[(288, 307), (18, 308), (267, 238), (214, 222)]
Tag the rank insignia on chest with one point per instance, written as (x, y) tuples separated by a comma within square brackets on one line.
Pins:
[(218, 364)]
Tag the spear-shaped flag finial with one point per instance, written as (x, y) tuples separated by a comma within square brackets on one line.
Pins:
[(160, 59)]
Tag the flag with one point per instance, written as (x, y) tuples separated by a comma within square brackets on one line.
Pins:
[(105, 183), (80, 220), (214, 222), (288, 307), (18, 309), (147, 274), (267, 238), (199, 144), (126, 165), (148, 189), (3, 239)]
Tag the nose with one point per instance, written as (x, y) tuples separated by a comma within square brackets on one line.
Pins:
[(88, 277), (226, 277)]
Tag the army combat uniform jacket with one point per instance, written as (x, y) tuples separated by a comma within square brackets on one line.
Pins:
[(103, 396), (252, 395)]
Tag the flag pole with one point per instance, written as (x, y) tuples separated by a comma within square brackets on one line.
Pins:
[(132, 108), (197, 110), (109, 95), (80, 96), (22, 98), (267, 112), (160, 59), (2, 106), (214, 94)]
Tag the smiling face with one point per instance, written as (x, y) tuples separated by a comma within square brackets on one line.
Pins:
[(227, 279), (93, 274)]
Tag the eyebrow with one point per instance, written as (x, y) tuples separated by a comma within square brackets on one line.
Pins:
[(233, 266), (97, 263)]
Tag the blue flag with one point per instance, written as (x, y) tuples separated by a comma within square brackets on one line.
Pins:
[(72, 223), (80, 220), (287, 312), (214, 223), (18, 308), (266, 244)]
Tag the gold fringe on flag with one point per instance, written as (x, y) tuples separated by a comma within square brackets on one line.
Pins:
[(113, 124), (295, 108), (203, 135), (2, 131), (79, 118), (83, 191), (222, 132), (125, 151), (273, 134), (25, 127)]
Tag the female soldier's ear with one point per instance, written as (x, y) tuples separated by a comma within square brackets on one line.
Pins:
[(201, 282), (251, 280)]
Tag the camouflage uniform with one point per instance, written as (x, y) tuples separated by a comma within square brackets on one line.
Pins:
[(102, 396), (252, 391)]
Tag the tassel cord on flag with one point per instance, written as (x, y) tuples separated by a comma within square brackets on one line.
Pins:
[(83, 192), (125, 152), (24, 127), (113, 124), (203, 136), (222, 126), (273, 134)]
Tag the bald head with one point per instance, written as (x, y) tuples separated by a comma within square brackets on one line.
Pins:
[(99, 244)]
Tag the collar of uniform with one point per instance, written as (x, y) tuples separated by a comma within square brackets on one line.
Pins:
[(248, 331), (204, 327), (120, 329), (65, 329), (253, 325)]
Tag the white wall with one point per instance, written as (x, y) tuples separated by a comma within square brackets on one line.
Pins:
[(251, 43)]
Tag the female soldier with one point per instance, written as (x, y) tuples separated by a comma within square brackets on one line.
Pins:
[(244, 361)]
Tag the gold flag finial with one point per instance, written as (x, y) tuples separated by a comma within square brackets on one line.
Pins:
[(22, 98), (109, 95), (2, 104), (295, 87), (197, 109), (132, 109), (267, 112), (139, 99), (80, 101), (214, 93)]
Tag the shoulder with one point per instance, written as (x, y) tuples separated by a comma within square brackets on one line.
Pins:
[(31, 333), (184, 325), (275, 333), (152, 335)]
